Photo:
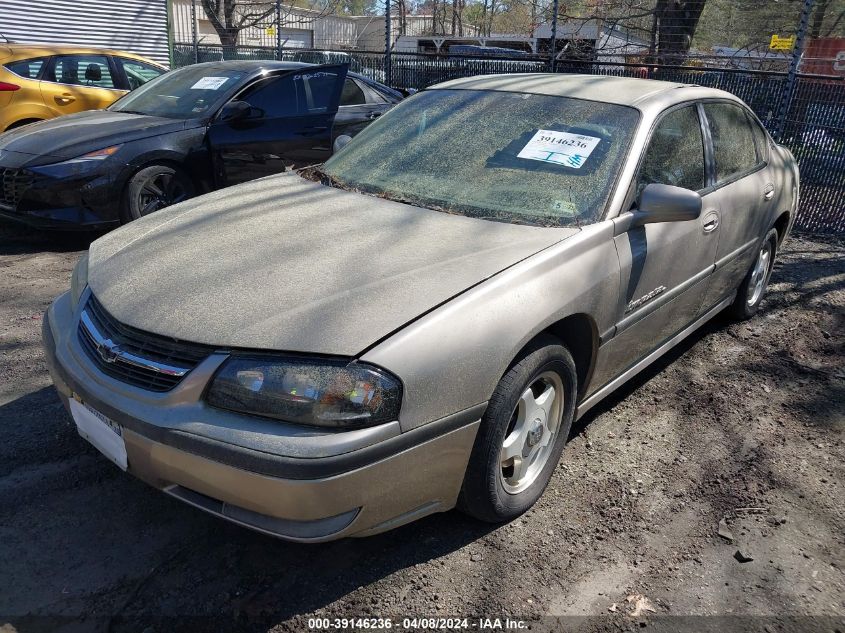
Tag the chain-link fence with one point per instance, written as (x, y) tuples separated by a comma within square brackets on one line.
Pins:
[(786, 60)]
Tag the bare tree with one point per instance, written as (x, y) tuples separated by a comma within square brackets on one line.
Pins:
[(230, 17), (676, 24)]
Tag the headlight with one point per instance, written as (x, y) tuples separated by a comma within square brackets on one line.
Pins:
[(315, 392), (78, 165), (79, 279)]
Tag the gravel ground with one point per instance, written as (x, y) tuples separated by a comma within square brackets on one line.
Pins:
[(738, 430)]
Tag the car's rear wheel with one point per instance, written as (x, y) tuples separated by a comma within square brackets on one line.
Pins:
[(753, 287), (153, 188), (522, 434)]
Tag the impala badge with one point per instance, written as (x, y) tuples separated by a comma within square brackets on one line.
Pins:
[(636, 303)]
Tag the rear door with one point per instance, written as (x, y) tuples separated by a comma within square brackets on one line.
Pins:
[(360, 105), (74, 83), (743, 190), (289, 125)]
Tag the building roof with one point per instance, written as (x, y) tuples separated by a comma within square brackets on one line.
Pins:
[(619, 90)]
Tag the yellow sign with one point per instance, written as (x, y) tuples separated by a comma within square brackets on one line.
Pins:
[(270, 30), (779, 43)]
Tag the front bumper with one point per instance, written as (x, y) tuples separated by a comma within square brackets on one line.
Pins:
[(292, 483), (83, 202)]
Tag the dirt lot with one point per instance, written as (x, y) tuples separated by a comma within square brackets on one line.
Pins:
[(742, 424)]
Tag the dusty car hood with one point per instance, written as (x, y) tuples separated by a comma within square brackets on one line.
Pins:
[(283, 263)]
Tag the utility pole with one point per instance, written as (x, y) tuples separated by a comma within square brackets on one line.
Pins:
[(279, 29), (554, 34), (791, 77), (194, 31), (388, 44)]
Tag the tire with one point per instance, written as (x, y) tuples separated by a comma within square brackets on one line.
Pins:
[(496, 487), (153, 188), (753, 287)]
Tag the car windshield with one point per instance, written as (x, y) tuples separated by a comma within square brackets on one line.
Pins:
[(513, 157), (186, 93)]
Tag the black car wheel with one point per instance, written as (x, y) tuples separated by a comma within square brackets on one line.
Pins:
[(154, 188), (522, 434)]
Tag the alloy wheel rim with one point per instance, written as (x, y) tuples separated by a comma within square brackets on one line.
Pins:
[(759, 273), (160, 191), (529, 439)]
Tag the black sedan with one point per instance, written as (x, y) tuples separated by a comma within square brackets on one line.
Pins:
[(187, 132)]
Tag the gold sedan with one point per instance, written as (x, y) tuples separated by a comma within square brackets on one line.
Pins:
[(42, 82)]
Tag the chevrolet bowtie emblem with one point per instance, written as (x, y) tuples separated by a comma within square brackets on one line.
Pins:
[(108, 351)]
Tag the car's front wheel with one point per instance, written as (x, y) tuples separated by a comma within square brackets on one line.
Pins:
[(753, 286), (153, 188), (522, 434)]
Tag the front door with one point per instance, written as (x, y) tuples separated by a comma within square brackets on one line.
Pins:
[(74, 83), (664, 266), (289, 124), (743, 192)]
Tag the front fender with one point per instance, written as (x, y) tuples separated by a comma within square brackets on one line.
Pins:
[(453, 357)]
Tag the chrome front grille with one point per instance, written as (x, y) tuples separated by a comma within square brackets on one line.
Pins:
[(148, 361), (13, 184)]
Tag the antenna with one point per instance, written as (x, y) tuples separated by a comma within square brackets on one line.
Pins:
[(8, 41)]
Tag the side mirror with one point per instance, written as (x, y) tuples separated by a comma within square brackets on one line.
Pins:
[(665, 203), (340, 142), (234, 111)]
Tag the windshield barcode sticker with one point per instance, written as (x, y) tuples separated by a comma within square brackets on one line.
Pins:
[(561, 148), (209, 83)]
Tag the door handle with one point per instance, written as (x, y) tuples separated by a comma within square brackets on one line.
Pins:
[(372, 116), (711, 222), (769, 192), (65, 99)]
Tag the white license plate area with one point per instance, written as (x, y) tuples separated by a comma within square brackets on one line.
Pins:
[(105, 434)]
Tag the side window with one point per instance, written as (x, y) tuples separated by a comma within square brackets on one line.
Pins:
[(273, 98), (138, 73), (318, 88), (761, 139), (733, 141), (291, 95), (82, 70), (675, 154), (27, 68), (352, 94)]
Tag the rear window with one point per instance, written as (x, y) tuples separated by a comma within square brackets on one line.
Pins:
[(27, 68)]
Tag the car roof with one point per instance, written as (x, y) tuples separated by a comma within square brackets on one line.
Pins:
[(250, 65), (24, 51), (619, 90), (260, 65)]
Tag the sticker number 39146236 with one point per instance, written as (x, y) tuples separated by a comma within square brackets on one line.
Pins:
[(562, 148)]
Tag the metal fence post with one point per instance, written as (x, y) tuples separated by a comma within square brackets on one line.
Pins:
[(194, 31), (388, 74), (554, 35), (279, 29), (789, 88)]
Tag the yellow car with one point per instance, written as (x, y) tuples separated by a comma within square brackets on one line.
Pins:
[(42, 82)]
